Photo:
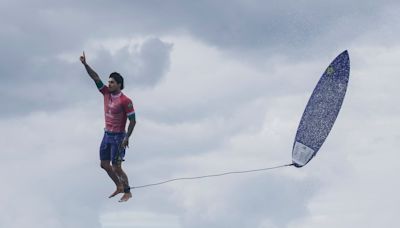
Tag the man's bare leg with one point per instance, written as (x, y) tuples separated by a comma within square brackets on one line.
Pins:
[(125, 182), (105, 164)]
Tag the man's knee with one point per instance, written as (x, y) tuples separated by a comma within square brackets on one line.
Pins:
[(106, 165), (117, 168)]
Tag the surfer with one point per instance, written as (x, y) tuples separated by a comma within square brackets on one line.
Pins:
[(118, 108)]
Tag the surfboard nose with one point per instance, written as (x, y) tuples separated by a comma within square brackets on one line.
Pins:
[(344, 56)]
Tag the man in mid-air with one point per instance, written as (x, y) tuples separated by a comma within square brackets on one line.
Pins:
[(117, 108)]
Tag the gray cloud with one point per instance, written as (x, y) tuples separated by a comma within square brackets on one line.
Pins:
[(141, 65), (48, 83), (35, 34), (274, 26)]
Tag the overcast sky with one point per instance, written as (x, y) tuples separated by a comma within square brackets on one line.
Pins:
[(217, 86)]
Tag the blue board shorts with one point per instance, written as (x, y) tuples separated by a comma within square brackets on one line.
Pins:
[(110, 148)]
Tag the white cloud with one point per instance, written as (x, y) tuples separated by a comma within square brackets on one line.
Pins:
[(49, 163)]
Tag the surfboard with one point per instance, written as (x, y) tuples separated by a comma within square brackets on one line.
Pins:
[(322, 110)]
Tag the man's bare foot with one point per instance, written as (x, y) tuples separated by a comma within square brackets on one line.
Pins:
[(126, 197), (118, 191)]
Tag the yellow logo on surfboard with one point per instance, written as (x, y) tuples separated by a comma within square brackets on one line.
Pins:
[(330, 70)]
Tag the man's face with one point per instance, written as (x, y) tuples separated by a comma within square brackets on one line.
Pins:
[(112, 85)]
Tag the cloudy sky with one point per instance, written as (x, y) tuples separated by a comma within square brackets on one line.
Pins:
[(217, 86)]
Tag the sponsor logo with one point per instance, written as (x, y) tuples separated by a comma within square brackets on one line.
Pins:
[(330, 70)]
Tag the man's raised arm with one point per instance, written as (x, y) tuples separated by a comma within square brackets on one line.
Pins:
[(90, 71)]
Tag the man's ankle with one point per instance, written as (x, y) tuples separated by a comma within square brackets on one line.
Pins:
[(127, 189)]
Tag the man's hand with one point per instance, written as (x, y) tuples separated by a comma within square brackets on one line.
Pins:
[(90, 71), (83, 58), (125, 143)]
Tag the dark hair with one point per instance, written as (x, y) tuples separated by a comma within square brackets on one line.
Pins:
[(118, 78)]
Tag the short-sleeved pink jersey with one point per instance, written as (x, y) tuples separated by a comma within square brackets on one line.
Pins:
[(117, 108)]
